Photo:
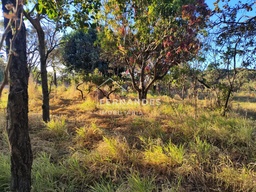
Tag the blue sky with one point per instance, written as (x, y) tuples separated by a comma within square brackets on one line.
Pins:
[(209, 3)]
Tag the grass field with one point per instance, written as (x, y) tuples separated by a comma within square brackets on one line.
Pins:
[(170, 147)]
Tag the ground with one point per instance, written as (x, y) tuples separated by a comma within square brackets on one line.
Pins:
[(174, 146)]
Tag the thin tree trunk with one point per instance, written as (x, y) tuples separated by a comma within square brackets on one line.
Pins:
[(45, 92), (17, 117), (55, 77), (142, 94), (227, 101), (44, 78), (42, 51), (77, 88)]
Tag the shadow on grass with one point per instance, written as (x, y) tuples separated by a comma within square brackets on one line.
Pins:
[(251, 114), (244, 99)]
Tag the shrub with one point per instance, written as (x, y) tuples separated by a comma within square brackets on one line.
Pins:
[(57, 127)]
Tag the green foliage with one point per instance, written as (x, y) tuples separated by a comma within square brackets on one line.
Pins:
[(81, 16), (136, 183), (50, 177), (150, 37), (45, 177), (5, 175), (103, 186), (76, 172), (95, 77), (80, 52), (202, 149)]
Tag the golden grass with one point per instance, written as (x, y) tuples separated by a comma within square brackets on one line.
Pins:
[(241, 179), (182, 147), (87, 136)]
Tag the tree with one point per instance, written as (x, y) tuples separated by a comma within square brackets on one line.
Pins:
[(150, 37), (17, 107), (76, 14), (235, 40), (80, 52), (59, 12), (44, 53), (181, 78)]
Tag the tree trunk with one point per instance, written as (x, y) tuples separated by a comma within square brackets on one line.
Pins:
[(42, 51), (17, 117), (55, 77), (45, 92), (44, 78), (77, 88), (142, 94), (225, 109)]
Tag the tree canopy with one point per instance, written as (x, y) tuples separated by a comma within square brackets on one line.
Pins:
[(80, 53), (149, 37), (68, 13)]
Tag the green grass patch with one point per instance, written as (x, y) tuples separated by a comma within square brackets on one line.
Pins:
[(57, 127), (5, 175)]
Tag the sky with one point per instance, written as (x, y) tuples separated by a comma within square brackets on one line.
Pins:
[(210, 3)]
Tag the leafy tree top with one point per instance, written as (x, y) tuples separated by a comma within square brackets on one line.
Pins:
[(234, 28), (68, 13), (79, 52), (163, 33)]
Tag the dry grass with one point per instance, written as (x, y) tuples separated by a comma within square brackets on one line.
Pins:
[(169, 147)]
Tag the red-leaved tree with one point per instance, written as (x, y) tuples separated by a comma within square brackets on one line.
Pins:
[(150, 37)]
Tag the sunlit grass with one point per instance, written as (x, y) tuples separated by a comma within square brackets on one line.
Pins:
[(147, 127), (245, 105), (112, 149), (3, 102), (228, 131), (87, 136), (121, 105), (242, 179), (106, 150), (174, 146), (66, 91), (156, 156), (35, 95), (157, 153), (88, 105), (57, 127)]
